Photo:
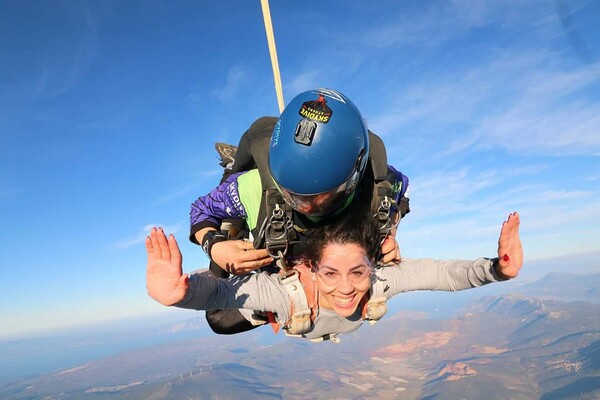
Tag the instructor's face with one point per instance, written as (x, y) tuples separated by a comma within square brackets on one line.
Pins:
[(343, 277)]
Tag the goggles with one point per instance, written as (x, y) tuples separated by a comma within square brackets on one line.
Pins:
[(332, 277), (320, 204)]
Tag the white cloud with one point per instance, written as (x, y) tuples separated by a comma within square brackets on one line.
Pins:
[(431, 25), (303, 81), (551, 112), (140, 236), (455, 193), (547, 229), (454, 184), (522, 101), (552, 195), (235, 78), (458, 213), (444, 100), (175, 194)]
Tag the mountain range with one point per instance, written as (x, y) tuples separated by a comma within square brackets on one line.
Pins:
[(540, 343)]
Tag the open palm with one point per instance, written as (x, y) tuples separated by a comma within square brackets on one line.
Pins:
[(510, 250), (164, 278)]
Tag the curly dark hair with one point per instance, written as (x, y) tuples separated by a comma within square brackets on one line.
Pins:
[(353, 227)]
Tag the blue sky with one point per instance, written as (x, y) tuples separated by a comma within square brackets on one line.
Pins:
[(109, 111)]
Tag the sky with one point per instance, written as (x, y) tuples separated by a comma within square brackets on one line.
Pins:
[(109, 111)]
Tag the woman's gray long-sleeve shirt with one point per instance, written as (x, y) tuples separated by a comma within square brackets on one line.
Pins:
[(263, 292)]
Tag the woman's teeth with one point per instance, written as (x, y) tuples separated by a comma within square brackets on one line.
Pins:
[(346, 300)]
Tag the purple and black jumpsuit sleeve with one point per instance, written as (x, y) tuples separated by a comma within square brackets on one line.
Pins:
[(400, 188), (221, 203)]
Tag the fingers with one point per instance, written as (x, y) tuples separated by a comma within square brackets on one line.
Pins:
[(239, 257), (249, 261), (389, 245), (243, 245), (255, 255), (158, 246), (243, 251), (390, 251), (149, 248), (510, 251), (183, 282), (174, 248), (392, 256), (247, 266), (236, 250), (516, 246), (163, 244), (515, 221), (510, 228), (154, 243)]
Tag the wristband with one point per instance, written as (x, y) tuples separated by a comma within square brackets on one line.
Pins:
[(209, 239)]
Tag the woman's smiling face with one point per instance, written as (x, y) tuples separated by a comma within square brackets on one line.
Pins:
[(343, 277)]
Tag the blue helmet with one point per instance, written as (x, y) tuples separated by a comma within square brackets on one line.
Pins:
[(318, 151)]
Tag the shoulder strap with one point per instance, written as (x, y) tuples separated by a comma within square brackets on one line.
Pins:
[(301, 288), (383, 205), (378, 156), (258, 140), (253, 147), (274, 222), (375, 308)]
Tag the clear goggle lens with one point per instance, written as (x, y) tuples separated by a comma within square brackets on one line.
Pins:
[(332, 277)]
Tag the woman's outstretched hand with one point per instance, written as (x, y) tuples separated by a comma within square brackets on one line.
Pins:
[(510, 250), (164, 278)]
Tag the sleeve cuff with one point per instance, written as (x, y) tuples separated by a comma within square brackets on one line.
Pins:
[(199, 226), (496, 272)]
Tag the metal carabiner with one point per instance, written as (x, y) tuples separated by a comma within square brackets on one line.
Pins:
[(382, 215)]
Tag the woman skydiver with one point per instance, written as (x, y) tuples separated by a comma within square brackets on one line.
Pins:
[(337, 276)]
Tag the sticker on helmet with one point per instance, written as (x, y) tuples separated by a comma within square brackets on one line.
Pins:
[(305, 131), (334, 94), (316, 110)]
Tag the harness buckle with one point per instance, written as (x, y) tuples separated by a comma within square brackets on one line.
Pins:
[(284, 276), (276, 233), (383, 216)]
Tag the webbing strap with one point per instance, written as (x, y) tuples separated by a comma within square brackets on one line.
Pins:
[(376, 307), (299, 321), (378, 156)]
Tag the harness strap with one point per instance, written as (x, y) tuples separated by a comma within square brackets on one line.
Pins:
[(383, 205), (376, 308), (378, 156), (300, 312), (278, 224)]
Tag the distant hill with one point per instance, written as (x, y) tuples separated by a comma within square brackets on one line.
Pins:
[(504, 346), (525, 348), (566, 287)]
